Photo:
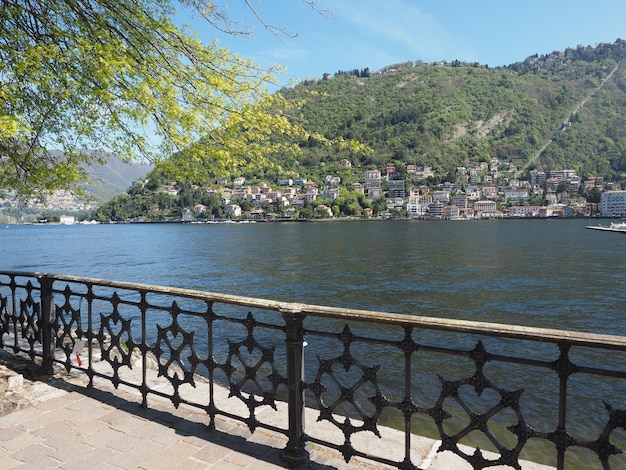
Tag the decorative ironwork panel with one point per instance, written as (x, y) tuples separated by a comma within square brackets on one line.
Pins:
[(68, 329), (330, 369), (171, 344), (479, 420), (29, 320), (5, 325), (115, 339), (244, 363)]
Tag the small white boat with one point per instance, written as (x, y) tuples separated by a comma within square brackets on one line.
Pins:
[(614, 227)]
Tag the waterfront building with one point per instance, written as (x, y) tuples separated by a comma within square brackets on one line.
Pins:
[(330, 193), (473, 193), (537, 177), (459, 200), (490, 192), (515, 194), (239, 182), (529, 211), (486, 209), (562, 175), (372, 179), (594, 182), (333, 180), (390, 170), (374, 193), (311, 194), (613, 204), (416, 209), (358, 187), (395, 188), (441, 196), (290, 192), (199, 209), (233, 210), (451, 212), (435, 209)]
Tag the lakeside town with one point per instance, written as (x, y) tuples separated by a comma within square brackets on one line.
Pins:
[(475, 194), (486, 190)]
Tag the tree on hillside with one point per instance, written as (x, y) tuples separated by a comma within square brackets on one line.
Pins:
[(124, 78)]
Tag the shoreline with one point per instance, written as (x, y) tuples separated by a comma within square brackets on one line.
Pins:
[(326, 220)]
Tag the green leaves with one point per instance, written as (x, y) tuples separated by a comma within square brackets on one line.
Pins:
[(120, 76)]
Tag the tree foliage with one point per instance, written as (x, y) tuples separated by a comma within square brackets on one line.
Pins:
[(123, 77)]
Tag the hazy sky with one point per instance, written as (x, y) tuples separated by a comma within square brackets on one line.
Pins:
[(368, 33)]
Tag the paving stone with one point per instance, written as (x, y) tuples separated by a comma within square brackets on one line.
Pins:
[(241, 459), (32, 453), (19, 442), (100, 438), (138, 453), (10, 432), (126, 443), (8, 463), (18, 417), (212, 452), (68, 449), (169, 457), (40, 462), (92, 459)]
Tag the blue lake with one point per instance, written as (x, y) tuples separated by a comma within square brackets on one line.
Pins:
[(548, 273)]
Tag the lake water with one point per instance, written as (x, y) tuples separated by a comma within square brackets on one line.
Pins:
[(548, 273), (543, 273)]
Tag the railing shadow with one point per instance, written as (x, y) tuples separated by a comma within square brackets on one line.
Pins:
[(227, 436)]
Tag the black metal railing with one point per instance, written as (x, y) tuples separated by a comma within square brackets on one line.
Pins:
[(492, 394)]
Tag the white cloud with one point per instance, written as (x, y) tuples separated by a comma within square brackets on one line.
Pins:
[(403, 25), (287, 53)]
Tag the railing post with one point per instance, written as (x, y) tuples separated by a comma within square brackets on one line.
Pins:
[(295, 451), (46, 328)]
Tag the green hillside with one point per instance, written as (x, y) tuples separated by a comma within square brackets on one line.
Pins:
[(564, 110), (451, 114)]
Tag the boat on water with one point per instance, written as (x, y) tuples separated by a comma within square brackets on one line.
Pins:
[(614, 227)]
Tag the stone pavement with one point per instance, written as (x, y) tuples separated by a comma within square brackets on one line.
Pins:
[(59, 423)]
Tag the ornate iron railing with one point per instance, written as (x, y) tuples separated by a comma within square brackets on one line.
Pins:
[(508, 392)]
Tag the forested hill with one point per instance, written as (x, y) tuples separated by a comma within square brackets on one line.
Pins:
[(446, 115), (561, 111)]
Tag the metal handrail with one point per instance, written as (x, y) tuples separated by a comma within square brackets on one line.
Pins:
[(53, 322), (550, 335)]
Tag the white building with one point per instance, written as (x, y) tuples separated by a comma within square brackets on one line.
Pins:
[(613, 204), (233, 210)]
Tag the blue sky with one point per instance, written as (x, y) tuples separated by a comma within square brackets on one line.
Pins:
[(368, 33)]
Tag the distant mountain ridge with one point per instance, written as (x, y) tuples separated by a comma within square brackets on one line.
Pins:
[(114, 177)]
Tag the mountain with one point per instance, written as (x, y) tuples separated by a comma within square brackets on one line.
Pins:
[(103, 183), (114, 177), (560, 111), (446, 115)]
